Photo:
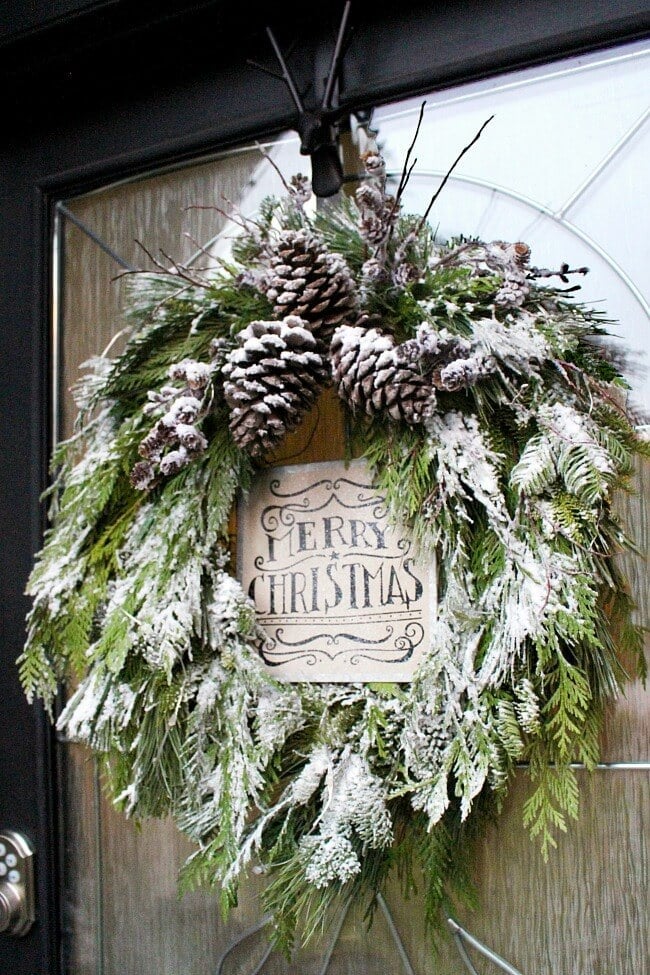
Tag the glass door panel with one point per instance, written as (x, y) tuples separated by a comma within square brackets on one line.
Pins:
[(561, 166)]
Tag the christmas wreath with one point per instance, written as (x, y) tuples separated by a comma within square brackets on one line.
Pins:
[(486, 406)]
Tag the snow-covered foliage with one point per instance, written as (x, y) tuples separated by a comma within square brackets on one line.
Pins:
[(484, 406)]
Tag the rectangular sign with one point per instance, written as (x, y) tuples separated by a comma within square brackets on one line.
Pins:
[(337, 589)]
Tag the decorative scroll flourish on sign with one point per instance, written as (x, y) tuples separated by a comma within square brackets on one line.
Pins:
[(337, 589)]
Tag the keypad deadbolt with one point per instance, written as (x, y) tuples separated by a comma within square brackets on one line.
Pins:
[(16, 883)]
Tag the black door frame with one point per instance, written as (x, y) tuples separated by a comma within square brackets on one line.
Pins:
[(113, 105)]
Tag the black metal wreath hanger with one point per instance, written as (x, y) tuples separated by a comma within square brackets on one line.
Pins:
[(317, 127)]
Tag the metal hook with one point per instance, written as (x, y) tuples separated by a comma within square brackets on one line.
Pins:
[(317, 127), (327, 958), (460, 936), (335, 66)]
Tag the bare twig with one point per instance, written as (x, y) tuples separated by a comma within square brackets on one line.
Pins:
[(203, 206), (562, 273), (177, 270), (406, 172), (183, 272), (403, 183), (154, 260), (269, 159), (200, 249), (458, 158), (453, 254), (233, 215), (236, 216), (129, 273)]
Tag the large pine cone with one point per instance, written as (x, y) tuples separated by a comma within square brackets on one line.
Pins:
[(306, 280), (373, 376), (272, 379)]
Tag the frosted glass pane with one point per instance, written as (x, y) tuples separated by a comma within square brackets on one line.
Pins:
[(553, 128)]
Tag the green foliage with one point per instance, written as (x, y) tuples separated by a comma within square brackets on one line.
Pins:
[(554, 799), (509, 483), (337, 227), (401, 462)]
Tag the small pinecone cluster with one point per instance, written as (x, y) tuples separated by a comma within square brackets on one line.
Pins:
[(448, 360), (308, 281), (373, 374), (175, 439), (508, 260), (300, 189), (271, 379), (378, 212)]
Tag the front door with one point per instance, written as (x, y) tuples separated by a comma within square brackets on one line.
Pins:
[(562, 171)]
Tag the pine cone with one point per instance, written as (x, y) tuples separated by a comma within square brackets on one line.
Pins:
[(308, 281), (183, 408), (372, 375), (271, 380), (377, 213), (449, 361), (513, 291)]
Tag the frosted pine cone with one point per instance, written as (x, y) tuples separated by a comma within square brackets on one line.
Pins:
[(271, 380), (374, 163), (513, 292), (464, 372), (174, 440), (378, 212), (307, 280), (300, 188), (372, 377), (448, 360), (521, 253), (143, 475)]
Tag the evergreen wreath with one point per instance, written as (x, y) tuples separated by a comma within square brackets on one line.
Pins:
[(485, 404)]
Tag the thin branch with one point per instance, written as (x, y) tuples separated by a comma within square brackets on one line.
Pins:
[(269, 159), (178, 270), (118, 335), (204, 206), (154, 260), (172, 297), (201, 250), (183, 272), (406, 172), (453, 254), (235, 215), (403, 183), (129, 273), (450, 171), (561, 273), (232, 216)]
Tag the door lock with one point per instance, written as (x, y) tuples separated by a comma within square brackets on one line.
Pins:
[(16, 883)]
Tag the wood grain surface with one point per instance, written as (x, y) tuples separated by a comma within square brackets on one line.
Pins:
[(583, 913)]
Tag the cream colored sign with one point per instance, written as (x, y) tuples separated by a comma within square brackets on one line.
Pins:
[(337, 590)]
